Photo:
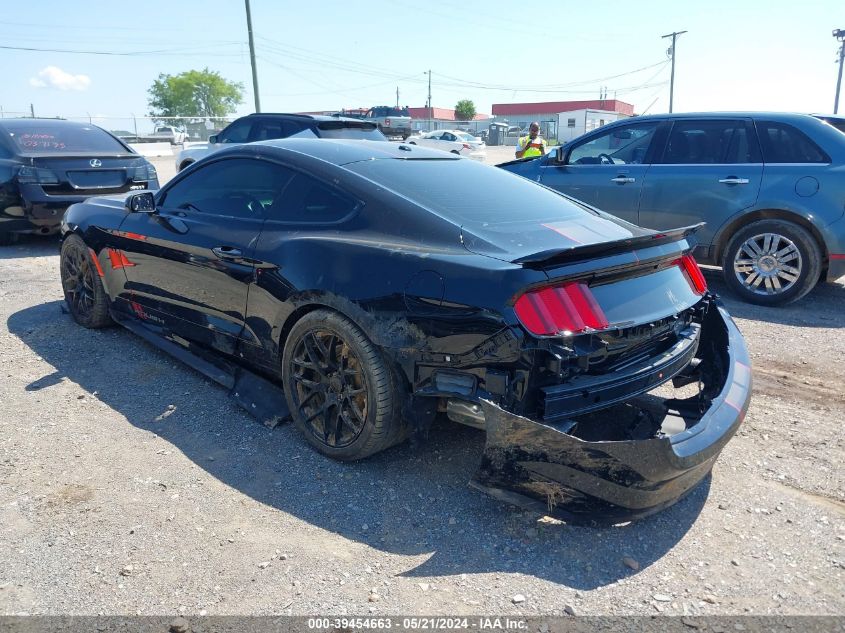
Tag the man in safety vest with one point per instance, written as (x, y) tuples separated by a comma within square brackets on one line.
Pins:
[(531, 145)]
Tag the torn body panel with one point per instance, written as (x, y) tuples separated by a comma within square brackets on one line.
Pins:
[(626, 462)]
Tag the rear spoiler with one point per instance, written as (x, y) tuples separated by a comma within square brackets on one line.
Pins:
[(559, 256)]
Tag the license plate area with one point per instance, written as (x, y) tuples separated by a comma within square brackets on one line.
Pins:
[(99, 179)]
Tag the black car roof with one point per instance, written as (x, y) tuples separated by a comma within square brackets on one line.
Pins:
[(344, 151), (305, 117)]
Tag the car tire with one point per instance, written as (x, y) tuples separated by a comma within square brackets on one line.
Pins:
[(343, 395), (412, 143), (187, 163), (85, 295), (771, 262), (7, 239), (454, 151)]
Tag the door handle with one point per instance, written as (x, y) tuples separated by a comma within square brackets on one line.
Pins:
[(623, 179), (733, 180), (226, 252)]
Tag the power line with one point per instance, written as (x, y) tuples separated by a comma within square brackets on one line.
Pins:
[(172, 51)]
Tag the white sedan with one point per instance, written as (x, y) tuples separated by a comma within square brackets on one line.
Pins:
[(453, 141)]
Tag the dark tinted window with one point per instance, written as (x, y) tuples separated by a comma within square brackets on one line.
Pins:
[(273, 128), (466, 191), (309, 200), (238, 132), (620, 146), (783, 143), (350, 129), (708, 143), (236, 187), (33, 136)]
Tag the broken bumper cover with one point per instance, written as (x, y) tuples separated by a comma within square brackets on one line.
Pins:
[(539, 466)]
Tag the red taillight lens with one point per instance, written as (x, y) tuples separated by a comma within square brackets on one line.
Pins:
[(570, 308), (387, 121), (466, 146), (693, 274)]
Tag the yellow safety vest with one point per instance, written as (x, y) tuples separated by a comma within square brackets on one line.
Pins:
[(531, 151)]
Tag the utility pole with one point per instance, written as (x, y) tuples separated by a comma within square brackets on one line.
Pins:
[(397, 96), (674, 35), (430, 112), (839, 34), (32, 110), (252, 58)]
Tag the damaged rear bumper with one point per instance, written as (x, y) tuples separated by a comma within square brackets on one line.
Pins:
[(545, 466)]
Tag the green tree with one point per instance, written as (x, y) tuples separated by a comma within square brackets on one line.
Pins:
[(465, 110), (194, 93)]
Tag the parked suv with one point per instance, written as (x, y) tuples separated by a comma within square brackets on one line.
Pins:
[(770, 187), (265, 126)]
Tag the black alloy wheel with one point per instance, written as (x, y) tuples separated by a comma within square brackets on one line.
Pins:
[(84, 293)]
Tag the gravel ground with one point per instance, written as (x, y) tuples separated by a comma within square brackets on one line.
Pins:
[(131, 484)]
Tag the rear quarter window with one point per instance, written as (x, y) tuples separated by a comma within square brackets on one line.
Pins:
[(307, 200), (465, 191), (784, 143)]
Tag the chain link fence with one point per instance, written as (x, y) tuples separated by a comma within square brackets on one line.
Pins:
[(140, 129)]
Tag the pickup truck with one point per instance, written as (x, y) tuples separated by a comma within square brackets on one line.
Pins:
[(176, 136), (393, 122)]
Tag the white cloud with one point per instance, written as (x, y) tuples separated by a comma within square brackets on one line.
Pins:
[(55, 77)]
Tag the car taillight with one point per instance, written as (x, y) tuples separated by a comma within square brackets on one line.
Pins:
[(145, 172), (37, 175), (466, 146), (387, 121), (693, 274), (566, 309)]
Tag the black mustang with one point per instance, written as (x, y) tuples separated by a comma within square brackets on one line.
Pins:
[(380, 284)]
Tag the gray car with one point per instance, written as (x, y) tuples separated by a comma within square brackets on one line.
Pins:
[(770, 187)]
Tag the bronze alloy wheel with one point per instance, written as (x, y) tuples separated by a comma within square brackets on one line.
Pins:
[(344, 395), (331, 388)]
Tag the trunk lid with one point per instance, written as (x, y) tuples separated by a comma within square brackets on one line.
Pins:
[(83, 173)]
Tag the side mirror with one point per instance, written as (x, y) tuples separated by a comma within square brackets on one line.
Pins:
[(141, 202), (558, 156), (212, 139)]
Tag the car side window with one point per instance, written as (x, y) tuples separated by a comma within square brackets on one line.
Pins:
[(784, 143), (625, 145), (449, 137), (696, 142), (231, 187), (270, 129), (238, 132), (309, 200)]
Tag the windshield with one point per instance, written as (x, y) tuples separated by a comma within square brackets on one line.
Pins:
[(34, 137), (497, 197)]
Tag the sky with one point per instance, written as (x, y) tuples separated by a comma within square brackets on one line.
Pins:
[(328, 55)]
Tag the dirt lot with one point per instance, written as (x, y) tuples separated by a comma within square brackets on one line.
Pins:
[(131, 484)]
